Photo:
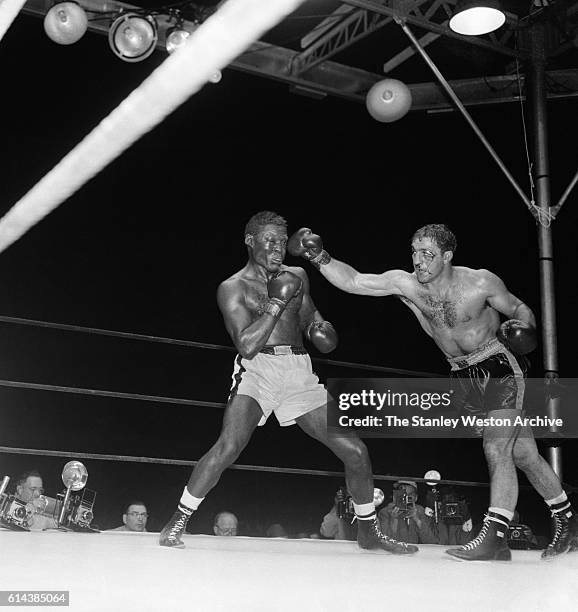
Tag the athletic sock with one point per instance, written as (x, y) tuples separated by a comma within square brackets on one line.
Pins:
[(189, 503), (504, 514), (364, 512), (561, 505)]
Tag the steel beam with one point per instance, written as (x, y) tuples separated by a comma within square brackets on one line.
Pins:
[(334, 79)]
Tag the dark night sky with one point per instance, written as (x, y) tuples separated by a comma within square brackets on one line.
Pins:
[(143, 246)]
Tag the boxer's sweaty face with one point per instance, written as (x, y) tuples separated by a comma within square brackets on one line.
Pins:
[(269, 247), (427, 259)]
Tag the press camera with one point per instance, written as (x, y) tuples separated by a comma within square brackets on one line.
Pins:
[(13, 512), (78, 513), (72, 509), (77, 502), (345, 509), (454, 509), (403, 500), (520, 537)]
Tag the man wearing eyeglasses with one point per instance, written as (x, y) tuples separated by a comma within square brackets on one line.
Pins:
[(225, 524), (30, 490), (134, 518)]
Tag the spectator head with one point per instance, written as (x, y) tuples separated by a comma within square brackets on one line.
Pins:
[(135, 516), (29, 486), (276, 530), (225, 524)]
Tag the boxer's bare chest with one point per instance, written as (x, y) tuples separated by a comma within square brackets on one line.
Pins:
[(458, 306), (257, 298)]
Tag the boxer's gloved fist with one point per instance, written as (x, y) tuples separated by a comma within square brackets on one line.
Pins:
[(518, 336), (305, 244), (323, 335), (281, 288)]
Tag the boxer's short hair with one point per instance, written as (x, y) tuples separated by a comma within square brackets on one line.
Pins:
[(263, 218), (440, 234)]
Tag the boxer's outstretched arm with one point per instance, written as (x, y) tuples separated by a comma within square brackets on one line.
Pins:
[(348, 279), (305, 244), (505, 302)]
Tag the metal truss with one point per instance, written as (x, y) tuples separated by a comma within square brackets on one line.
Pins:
[(353, 26), (433, 16), (311, 73), (347, 26)]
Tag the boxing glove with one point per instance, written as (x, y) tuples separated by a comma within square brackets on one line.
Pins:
[(305, 244), (518, 336), (323, 336), (281, 288)]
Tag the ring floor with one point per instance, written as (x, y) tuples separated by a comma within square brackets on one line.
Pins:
[(121, 571)]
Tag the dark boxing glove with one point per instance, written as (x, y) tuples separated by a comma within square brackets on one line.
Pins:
[(305, 244), (323, 335), (518, 336), (281, 288)]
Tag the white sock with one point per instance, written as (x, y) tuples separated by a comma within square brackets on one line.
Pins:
[(189, 501), (364, 512), (505, 513), (557, 500)]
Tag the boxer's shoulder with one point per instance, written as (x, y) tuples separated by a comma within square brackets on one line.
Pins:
[(236, 288), (481, 279), (475, 275), (297, 270), (231, 284)]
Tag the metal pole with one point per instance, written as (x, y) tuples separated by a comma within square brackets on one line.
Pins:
[(64, 505), (545, 246), (566, 194), (451, 93)]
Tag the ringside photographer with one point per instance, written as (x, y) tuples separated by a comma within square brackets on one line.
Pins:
[(338, 522), (405, 518), (30, 492), (450, 516)]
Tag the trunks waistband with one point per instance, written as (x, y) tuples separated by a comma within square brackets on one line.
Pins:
[(493, 347), (284, 349)]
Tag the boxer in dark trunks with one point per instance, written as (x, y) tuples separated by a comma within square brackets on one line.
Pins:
[(267, 309), (459, 308)]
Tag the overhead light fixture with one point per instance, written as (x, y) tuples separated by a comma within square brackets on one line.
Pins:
[(477, 17), (388, 100), (176, 37), (133, 37), (216, 76), (65, 23)]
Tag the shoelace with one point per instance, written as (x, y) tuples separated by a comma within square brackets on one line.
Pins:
[(479, 539), (560, 524), (178, 526), (387, 539)]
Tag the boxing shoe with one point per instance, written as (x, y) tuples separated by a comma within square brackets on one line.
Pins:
[(370, 537), (491, 544), (171, 534), (565, 536)]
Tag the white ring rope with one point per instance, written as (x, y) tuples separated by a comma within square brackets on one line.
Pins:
[(8, 11), (216, 43)]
